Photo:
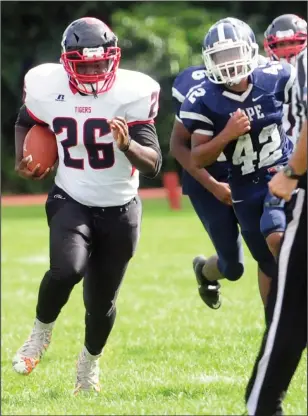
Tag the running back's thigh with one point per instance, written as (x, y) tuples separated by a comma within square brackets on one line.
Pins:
[(114, 243), (273, 219), (249, 207), (69, 238)]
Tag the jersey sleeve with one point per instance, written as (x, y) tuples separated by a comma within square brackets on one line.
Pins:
[(177, 100), (286, 78), (144, 109), (177, 96), (184, 83), (195, 115), (31, 96)]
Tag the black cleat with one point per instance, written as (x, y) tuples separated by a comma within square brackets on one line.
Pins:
[(208, 291)]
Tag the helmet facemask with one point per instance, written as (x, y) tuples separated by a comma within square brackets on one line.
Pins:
[(285, 47), (91, 70), (228, 61)]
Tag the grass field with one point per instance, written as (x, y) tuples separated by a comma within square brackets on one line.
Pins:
[(168, 353)]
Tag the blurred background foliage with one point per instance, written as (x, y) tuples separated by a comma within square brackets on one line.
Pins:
[(157, 38)]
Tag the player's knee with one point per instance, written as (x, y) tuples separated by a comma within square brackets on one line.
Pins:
[(273, 241), (269, 267), (71, 273), (101, 313), (272, 225), (233, 271)]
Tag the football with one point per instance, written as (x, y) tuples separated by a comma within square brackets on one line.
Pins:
[(41, 144)]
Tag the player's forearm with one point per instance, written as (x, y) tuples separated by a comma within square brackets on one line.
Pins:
[(147, 160), (207, 153), (23, 124), (298, 160), (183, 155), (20, 134)]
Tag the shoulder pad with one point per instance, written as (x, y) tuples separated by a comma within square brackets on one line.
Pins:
[(186, 80), (42, 79), (133, 85)]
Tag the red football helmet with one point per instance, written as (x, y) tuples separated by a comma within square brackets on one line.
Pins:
[(90, 55), (285, 37)]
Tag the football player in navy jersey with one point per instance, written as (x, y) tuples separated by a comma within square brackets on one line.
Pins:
[(284, 39), (210, 195), (238, 111)]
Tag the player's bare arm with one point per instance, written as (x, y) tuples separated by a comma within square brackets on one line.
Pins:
[(206, 150), (144, 158), (282, 185), (178, 147)]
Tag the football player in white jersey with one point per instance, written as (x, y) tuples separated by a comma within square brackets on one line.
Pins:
[(284, 39), (103, 119)]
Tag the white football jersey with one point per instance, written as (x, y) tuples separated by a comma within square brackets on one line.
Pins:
[(92, 170)]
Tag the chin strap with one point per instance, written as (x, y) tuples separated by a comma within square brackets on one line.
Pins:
[(230, 84), (94, 92)]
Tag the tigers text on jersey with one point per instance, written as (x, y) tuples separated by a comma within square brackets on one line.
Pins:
[(208, 108), (92, 169)]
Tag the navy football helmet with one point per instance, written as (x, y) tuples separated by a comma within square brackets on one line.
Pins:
[(230, 51), (90, 55), (285, 37), (235, 21)]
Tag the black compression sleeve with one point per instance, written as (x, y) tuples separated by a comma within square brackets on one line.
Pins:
[(145, 135), (24, 119)]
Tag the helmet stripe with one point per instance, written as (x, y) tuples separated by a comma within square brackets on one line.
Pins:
[(221, 32)]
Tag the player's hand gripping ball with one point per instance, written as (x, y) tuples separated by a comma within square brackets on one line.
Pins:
[(40, 153)]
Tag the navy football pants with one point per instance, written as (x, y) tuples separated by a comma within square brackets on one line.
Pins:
[(259, 214), (221, 224)]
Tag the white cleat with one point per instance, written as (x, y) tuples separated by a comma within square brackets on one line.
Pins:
[(30, 354), (87, 372)]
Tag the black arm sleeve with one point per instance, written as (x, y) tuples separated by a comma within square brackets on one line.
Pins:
[(145, 135), (24, 119)]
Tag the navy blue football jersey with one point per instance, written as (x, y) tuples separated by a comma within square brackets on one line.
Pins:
[(207, 110), (185, 83)]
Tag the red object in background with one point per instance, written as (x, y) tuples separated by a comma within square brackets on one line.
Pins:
[(171, 184)]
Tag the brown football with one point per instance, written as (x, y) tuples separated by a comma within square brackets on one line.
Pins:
[(41, 144)]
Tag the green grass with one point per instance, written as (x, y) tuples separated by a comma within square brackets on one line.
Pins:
[(168, 353)]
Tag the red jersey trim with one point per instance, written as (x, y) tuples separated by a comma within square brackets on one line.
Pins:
[(133, 123), (35, 118)]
